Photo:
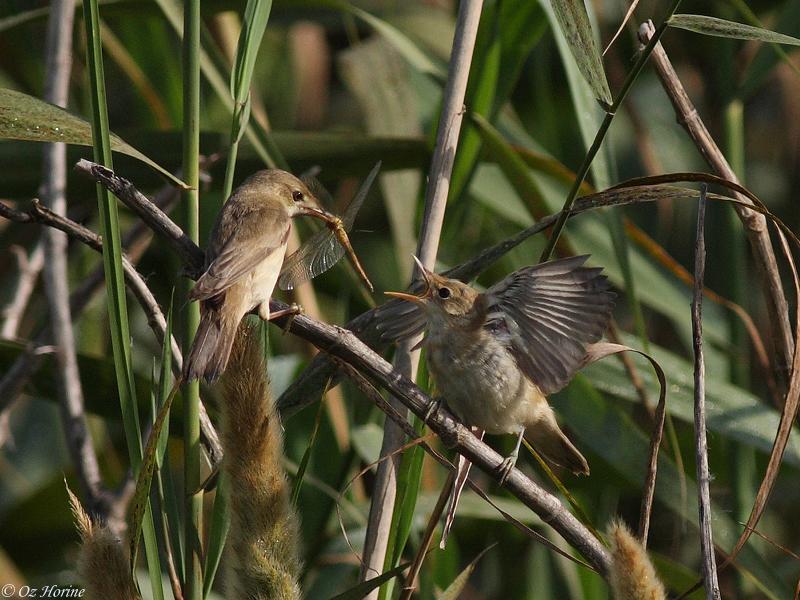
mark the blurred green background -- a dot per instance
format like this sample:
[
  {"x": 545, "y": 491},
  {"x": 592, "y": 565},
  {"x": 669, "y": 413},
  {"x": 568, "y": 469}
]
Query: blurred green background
[{"x": 340, "y": 90}]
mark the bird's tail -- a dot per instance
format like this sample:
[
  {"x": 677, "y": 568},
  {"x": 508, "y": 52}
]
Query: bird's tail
[
  {"x": 212, "y": 344},
  {"x": 547, "y": 438}
]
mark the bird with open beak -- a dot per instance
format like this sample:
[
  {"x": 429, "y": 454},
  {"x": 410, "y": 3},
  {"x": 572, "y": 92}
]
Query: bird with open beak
[
  {"x": 496, "y": 356},
  {"x": 244, "y": 257}
]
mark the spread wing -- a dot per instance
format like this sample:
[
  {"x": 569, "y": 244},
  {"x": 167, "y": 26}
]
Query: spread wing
[
  {"x": 548, "y": 313},
  {"x": 322, "y": 250},
  {"x": 251, "y": 237}
]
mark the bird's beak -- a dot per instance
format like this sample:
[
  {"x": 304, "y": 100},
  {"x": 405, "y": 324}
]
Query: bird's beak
[
  {"x": 407, "y": 297},
  {"x": 313, "y": 211},
  {"x": 411, "y": 297}
]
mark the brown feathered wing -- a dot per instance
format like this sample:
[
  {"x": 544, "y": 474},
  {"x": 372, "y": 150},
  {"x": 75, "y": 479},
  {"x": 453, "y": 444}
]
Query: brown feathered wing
[{"x": 548, "y": 314}]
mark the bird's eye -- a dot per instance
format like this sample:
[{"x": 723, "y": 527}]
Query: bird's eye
[
  {"x": 444, "y": 293},
  {"x": 297, "y": 195}
]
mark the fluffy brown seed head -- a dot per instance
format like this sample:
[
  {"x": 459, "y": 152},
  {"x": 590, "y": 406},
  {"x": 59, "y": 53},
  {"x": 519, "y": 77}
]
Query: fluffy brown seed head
[
  {"x": 103, "y": 564},
  {"x": 264, "y": 538},
  {"x": 633, "y": 576}
]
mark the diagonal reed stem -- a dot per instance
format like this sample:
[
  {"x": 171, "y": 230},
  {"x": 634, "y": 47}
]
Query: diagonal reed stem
[{"x": 611, "y": 112}]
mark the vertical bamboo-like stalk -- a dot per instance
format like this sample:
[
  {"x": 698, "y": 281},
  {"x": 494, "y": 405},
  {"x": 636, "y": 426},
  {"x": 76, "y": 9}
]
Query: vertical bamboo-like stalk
[
  {"x": 384, "y": 494},
  {"x": 743, "y": 460},
  {"x": 191, "y": 391},
  {"x": 115, "y": 285}
]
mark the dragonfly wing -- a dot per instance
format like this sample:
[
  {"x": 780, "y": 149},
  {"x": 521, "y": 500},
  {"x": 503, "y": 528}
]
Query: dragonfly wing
[
  {"x": 318, "y": 254},
  {"x": 322, "y": 250}
]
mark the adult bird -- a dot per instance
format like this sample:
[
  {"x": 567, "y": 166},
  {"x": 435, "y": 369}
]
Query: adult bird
[{"x": 244, "y": 256}]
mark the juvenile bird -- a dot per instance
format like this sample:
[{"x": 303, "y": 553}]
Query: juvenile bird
[
  {"x": 496, "y": 356},
  {"x": 243, "y": 261}
]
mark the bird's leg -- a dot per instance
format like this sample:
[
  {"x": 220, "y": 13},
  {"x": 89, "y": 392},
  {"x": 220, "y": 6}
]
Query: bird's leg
[
  {"x": 292, "y": 311},
  {"x": 511, "y": 460}
]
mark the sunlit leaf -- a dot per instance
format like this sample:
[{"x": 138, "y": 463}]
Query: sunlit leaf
[
  {"x": 454, "y": 590},
  {"x": 363, "y": 589},
  {"x": 410, "y": 51},
  {"x": 23, "y": 117},
  {"x": 574, "y": 23},
  {"x": 729, "y": 29}
]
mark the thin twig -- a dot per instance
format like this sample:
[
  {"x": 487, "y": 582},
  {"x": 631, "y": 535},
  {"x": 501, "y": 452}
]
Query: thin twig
[
  {"x": 754, "y": 223},
  {"x": 427, "y": 537},
  {"x": 136, "y": 240},
  {"x": 54, "y": 180},
  {"x": 123, "y": 189},
  {"x": 611, "y": 112},
  {"x": 29, "y": 269},
  {"x": 701, "y": 446},
  {"x": 155, "y": 317},
  {"x": 406, "y": 359}
]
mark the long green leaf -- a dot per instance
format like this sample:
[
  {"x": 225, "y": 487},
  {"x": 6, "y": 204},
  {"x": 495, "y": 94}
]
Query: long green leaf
[
  {"x": 453, "y": 591},
  {"x": 729, "y": 29},
  {"x": 574, "y": 24},
  {"x": 256, "y": 15},
  {"x": 363, "y": 589},
  {"x": 588, "y": 233},
  {"x": 115, "y": 284},
  {"x": 410, "y": 51},
  {"x": 167, "y": 498},
  {"x": 509, "y": 31},
  {"x": 301, "y": 468},
  {"x": 768, "y": 56},
  {"x": 583, "y": 97},
  {"x": 217, "y": 533},
  {"x": 23, "y": 117},
  {"x": 141, "y": 493},
  {"x": 409, "y": 476},
  {"x": 733, "y": 412},
  {"x": 260, "y": 139},
  {"x": 480, "y": 98},
  {"x": 513, "y": 167}
]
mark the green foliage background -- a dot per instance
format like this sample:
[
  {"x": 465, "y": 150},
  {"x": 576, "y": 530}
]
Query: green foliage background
[{"x": 343, "y": 88}]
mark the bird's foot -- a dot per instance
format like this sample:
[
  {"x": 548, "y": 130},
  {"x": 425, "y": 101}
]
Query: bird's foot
[
  {"x": 433, "y": 408},
  {"x": 507, "y": 466},
  {"x": 292, "y": 311}
]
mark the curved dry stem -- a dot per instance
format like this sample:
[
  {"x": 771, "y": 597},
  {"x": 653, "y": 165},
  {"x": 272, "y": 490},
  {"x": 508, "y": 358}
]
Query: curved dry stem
[{"x": 755, "y": 224}]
